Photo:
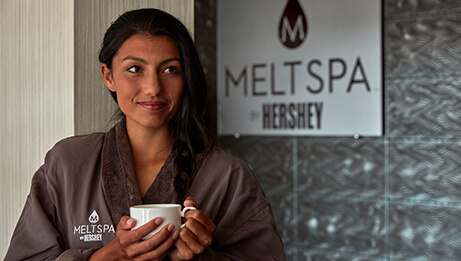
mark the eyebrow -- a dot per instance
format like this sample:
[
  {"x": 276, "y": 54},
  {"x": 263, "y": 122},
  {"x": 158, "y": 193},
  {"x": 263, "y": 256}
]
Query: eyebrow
[
  {"x": 135, "y": 59},
  {"x": 145, "y": 62}
]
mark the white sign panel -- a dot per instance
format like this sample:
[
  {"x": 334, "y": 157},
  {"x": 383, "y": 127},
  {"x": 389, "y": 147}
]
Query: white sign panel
[{"x": 300, "y": 67}]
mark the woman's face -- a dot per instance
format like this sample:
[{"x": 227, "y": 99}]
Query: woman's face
[{"x": 147, "y": 76}]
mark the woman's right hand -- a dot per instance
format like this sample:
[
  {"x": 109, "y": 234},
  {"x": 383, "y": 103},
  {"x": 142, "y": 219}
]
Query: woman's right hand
[{"x": 128, "y": 245}]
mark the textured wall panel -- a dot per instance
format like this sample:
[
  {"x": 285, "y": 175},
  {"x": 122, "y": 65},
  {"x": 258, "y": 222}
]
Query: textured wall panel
[
  {"x": 205, "y": 35},
  {"x": 423, "y": 46},
  {"x": 36, "y": 95},
  {"x": 353, "y": 227},
  {"x": 341, "y": 168},
  {"x": 425, "y": 232},
  {"x": 417, "y": 174},
  {"x": 339, "y": 256},
  {"x": 291, "y": 251},
  {"x": 425, "y": 107},
  {"x": 416, "y": 7},
  {"x": 94, "y": 105}
]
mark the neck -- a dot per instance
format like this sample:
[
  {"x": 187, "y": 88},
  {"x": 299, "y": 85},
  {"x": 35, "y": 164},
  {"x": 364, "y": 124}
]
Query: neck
[{"x": 149, "y": 146}]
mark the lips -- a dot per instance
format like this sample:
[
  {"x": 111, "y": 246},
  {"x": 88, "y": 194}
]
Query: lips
[{"x": 152, "y": 105}]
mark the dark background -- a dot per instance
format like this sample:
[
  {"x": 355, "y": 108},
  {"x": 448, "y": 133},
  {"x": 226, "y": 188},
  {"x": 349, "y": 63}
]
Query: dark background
[{"x": 395, "y": 197}]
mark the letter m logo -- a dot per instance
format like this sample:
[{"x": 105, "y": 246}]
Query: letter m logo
[
  {"x": 94, "y": 218},
  {"x": 293, "y": 25},
  {"x": 296, "y": 33}
]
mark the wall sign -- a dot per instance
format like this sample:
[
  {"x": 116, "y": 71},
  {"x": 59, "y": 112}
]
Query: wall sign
[{"x": 300, "y": 67}]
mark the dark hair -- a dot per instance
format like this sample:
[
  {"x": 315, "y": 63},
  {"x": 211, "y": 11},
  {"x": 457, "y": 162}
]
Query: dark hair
[{"x": 187, "y": 125}]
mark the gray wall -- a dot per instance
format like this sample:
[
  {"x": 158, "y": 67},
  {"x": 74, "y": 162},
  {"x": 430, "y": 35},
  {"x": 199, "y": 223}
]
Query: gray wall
[{"x": 396, "y": 197}]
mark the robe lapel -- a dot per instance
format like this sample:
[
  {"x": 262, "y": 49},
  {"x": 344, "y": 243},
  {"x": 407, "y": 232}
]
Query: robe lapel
[
  {"x": 120, "y": 188},
  {"x": 162, "y": 189},
  {"x": 119, "y": 180}
]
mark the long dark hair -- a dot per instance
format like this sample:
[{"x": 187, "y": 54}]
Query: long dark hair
[{"x": 187, "y": 125}]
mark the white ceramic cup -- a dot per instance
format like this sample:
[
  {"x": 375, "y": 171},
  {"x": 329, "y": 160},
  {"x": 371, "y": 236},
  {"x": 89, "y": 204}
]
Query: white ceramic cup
[{"x": 170, "y": 213}]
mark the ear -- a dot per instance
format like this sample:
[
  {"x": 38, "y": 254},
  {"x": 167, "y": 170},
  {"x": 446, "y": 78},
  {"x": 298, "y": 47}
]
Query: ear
[{"x": 107, "y": 77}]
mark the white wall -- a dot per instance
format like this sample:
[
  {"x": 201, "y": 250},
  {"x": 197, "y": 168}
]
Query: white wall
[
  {"x": 36, "y": 94},
  {"x": 40, "y": 79}
]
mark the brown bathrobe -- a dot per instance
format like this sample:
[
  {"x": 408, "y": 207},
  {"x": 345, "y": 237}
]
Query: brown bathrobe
[{"x": 87, "y": 184}]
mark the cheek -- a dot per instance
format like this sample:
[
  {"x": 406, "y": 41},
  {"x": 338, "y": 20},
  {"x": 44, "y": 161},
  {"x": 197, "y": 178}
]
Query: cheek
[
  {"x": 176, "y": 93},
  {"x": 179, "y": 95},
  {"x": 126, "y": 88}
]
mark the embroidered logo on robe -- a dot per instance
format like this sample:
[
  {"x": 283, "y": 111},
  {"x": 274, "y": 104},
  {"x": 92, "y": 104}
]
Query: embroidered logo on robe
[
  {"x": 93, "y": 231},
  {"x": 94, "y": 218}
]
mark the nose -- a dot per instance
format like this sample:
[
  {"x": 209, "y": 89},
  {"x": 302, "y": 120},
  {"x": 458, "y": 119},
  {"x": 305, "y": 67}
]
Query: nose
[{"x": 153, "y": 85}]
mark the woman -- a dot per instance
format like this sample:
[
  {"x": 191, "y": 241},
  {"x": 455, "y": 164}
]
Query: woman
[{"x": 159, "y": 152}]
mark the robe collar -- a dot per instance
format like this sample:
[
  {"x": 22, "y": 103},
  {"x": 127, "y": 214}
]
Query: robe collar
[{"x": 119, "y": 181}]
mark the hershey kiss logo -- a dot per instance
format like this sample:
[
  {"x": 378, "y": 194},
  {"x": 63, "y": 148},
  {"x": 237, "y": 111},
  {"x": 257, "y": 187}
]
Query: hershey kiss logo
[
  {"x": 94, "y": 218},
  {"x": 293, "y": 25}
]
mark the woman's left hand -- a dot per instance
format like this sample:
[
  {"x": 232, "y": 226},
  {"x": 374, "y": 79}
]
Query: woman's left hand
[{"x": 196, "y": 235}]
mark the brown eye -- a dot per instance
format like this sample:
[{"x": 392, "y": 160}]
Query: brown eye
[
  {"x": 172, "y": 70},
  {"x": 134, "y": 69}
]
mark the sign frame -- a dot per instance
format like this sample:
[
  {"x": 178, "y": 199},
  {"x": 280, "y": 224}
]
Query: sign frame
[{"x": 260, "y": 75}]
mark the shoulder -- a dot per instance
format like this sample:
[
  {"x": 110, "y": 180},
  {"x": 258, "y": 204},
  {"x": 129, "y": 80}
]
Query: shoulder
[
  {"x": 68, "y": 161},
  {"x": 223, "y": 160},
  {"x": 79, "y": 142},
  {"x": 221, "y": 168},
  {"x": 223, "y": 165},
  {"x": 75, "y": 150},
  {"x": 228, "y": 192}
]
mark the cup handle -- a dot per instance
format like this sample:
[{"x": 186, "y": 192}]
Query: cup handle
[{"x": 184, "y": 212}]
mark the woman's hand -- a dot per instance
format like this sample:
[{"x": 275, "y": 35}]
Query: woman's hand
[
  {"x": 196, "y": 235},
  {"x": 128, "y": 245}
]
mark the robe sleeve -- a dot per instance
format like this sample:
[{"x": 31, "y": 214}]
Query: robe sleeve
[
  {"x": 255, "y": 240},
  {"x": 230, "y": 194},
  {"x": 35, "y": 236}
]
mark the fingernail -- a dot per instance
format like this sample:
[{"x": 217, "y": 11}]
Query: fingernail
[
  {"x": 130, "y": 221},
  {"x": 170, "y": 227},
  {"x": 175, "y": 235},
  {"x": 158, "y": 221}
]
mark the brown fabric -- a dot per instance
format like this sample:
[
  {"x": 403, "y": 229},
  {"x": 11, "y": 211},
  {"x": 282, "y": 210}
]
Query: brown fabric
[
  {"x": 64, "y": 192},
  {"x": 164, "y": 183},
  {"x": 120, "y": 188},
  {"x": 230, "y": 195},
  {"x": 95, "y": 174},
  {"x": 119, "y": 180},
  {"x": 76, "y": 254}
]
